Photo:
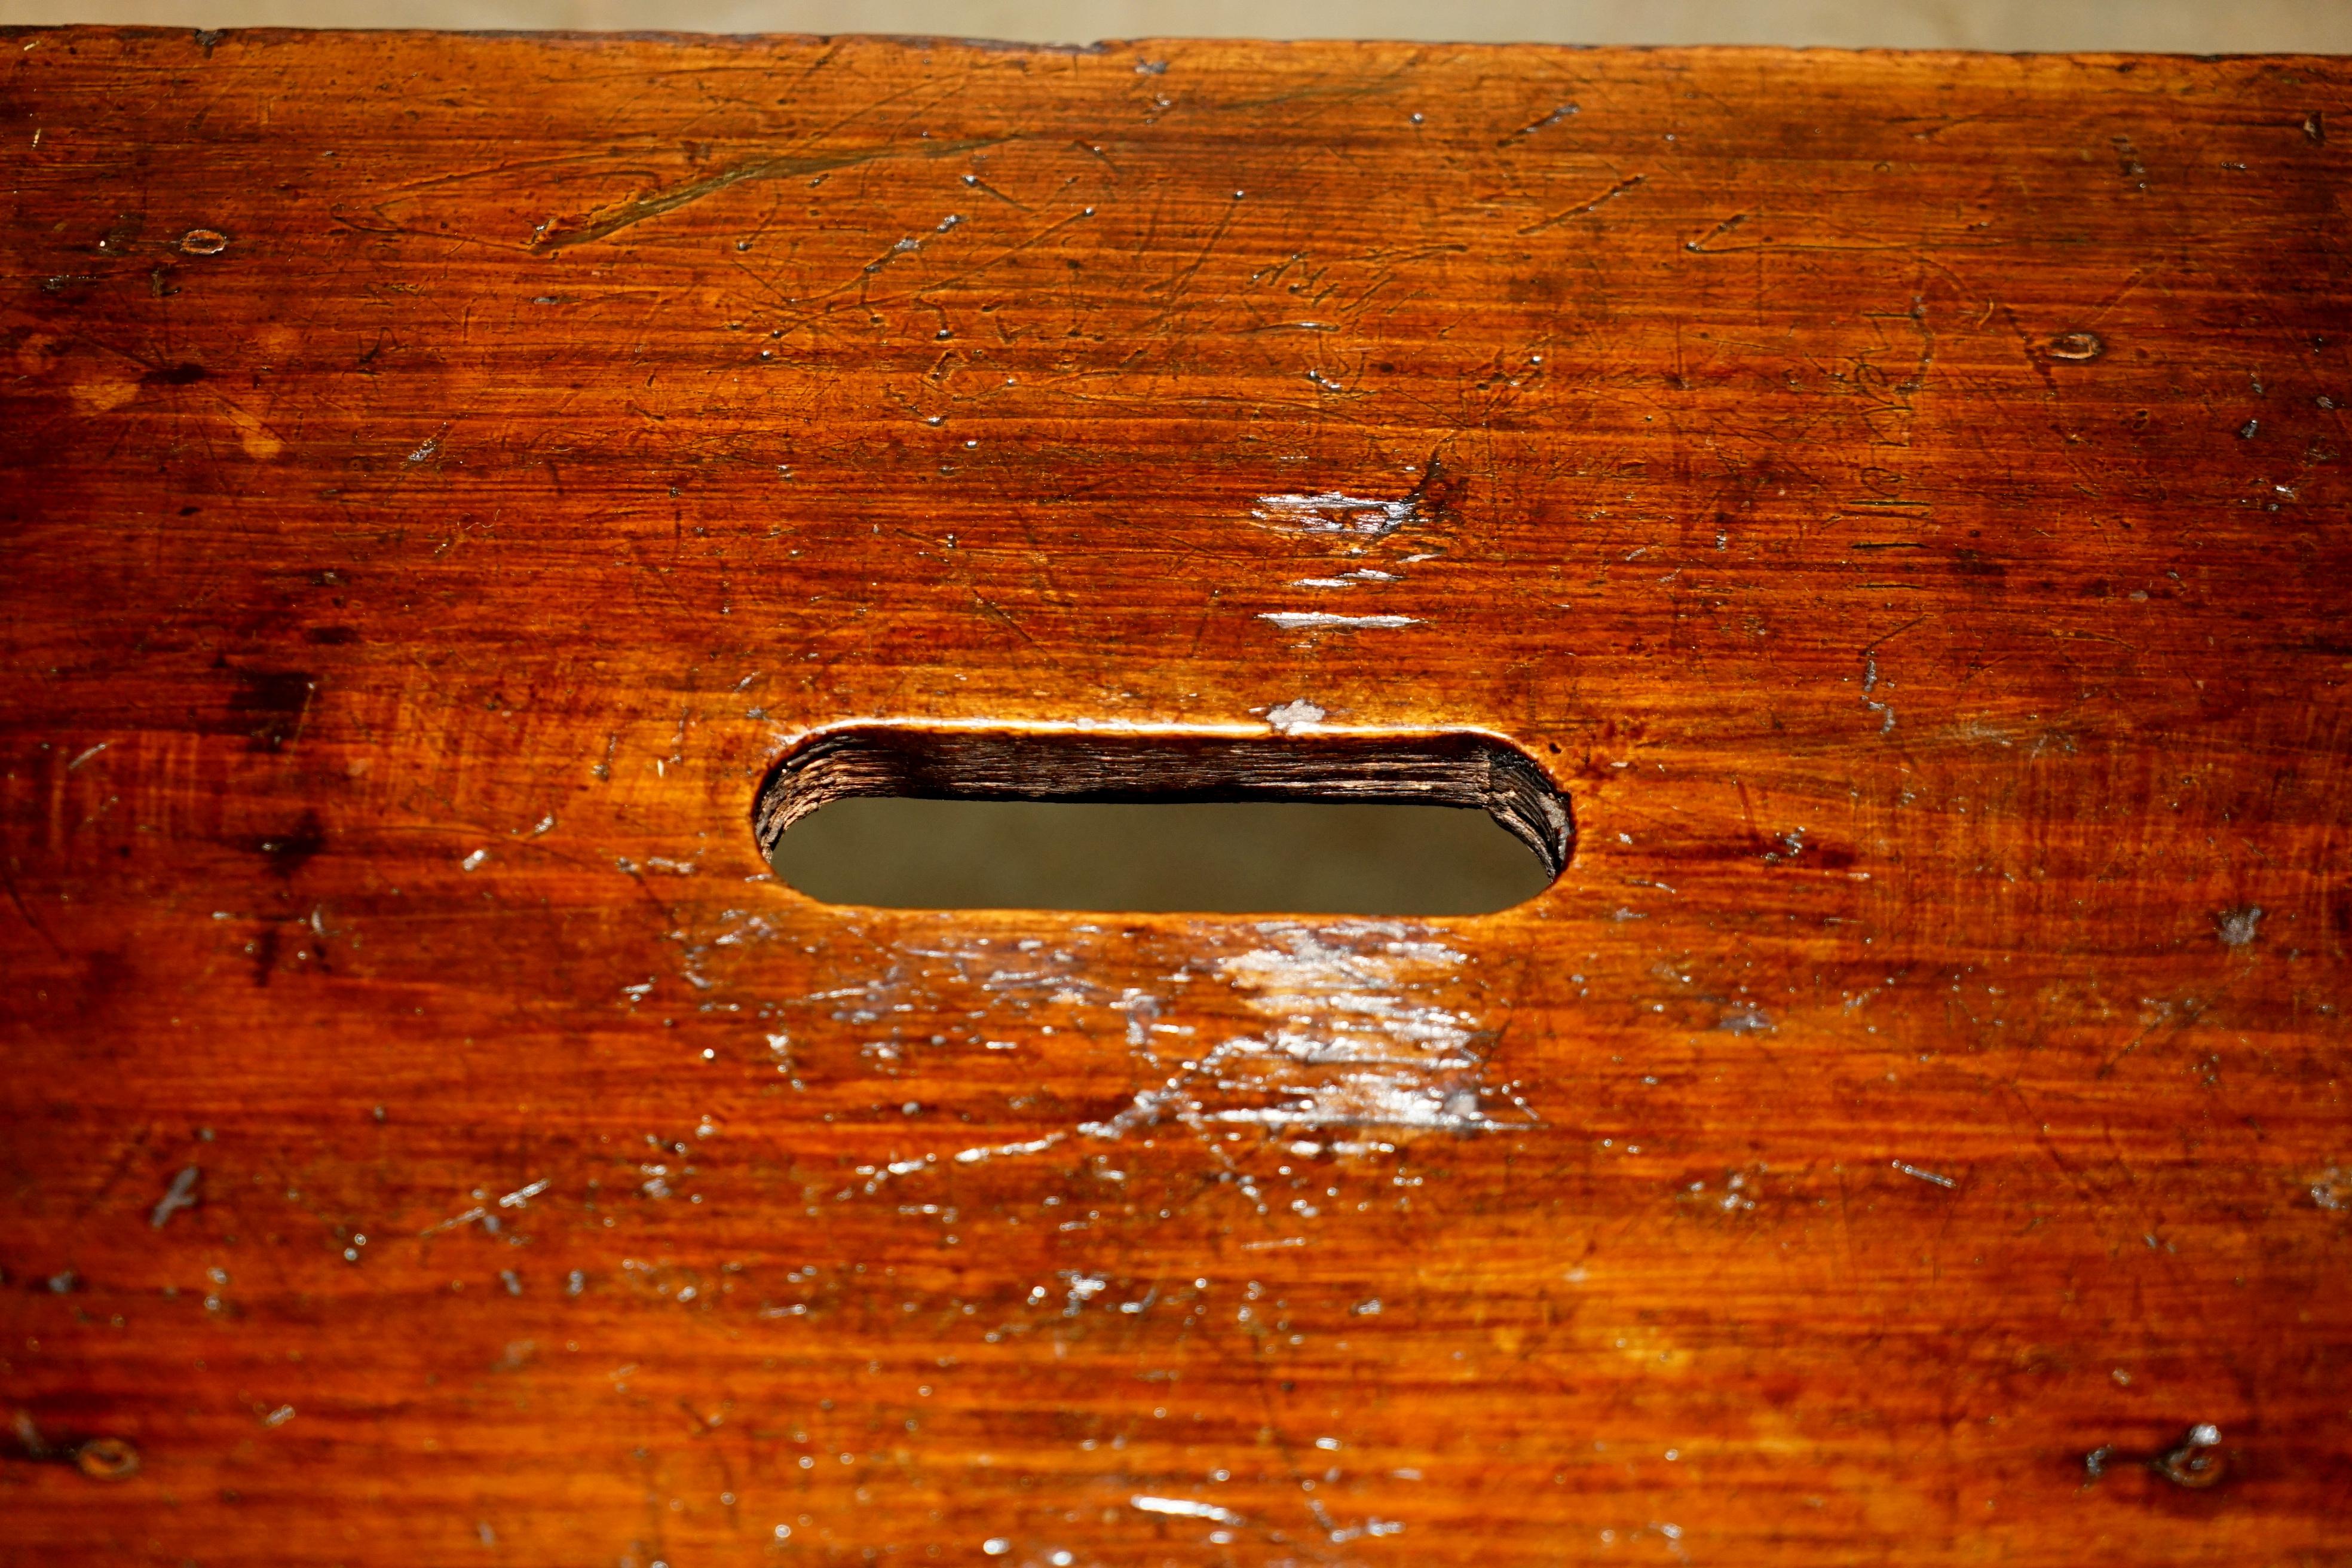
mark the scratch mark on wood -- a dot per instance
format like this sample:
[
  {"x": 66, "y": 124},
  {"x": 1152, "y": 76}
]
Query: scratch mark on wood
[
  {"x": 1610, "y": 194},
  {"x": 562, "y": 233}
]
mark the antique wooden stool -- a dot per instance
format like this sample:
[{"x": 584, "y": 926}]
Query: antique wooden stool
[{"x": 1875, "y": 525}]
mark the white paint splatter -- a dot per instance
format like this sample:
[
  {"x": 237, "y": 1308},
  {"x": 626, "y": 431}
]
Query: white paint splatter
[
  {"x": 182, "y": 1195},
  {"x": 1316, "y": 620},
  {"x": 1292, "y": 717},
  {"x": 1870, "y": 683},
  {"x": 1356, "y": 1039},
  {"x": 1347, "y": 579},
  {"x": 1184, "y": 1508},
  {"x": 1333, "y": 512},
  {"x": 1141, "y": 1007},
  {"x": 523, "y": 1194},
  {"x": 1035, "y": 1146}
]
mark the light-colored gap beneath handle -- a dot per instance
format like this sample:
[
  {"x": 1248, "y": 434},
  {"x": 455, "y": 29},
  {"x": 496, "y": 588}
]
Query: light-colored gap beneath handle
[{"x": 1162, "y": 821}]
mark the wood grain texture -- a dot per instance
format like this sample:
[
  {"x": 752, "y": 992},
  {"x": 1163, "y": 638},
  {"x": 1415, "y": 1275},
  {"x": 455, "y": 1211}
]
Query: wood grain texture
[{"x": 1898, "y": 498}]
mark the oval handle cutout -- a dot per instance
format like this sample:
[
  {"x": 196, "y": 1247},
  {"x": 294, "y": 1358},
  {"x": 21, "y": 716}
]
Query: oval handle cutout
[{"x": 1163, "y": 821}]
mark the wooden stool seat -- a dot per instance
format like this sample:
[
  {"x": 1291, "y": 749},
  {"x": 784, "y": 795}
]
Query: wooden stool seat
[{"x": 1879, "y": 520}]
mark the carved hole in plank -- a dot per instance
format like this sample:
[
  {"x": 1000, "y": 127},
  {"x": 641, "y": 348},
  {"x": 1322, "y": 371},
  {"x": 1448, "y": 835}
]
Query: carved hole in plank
[{"x": 1163, "y": 820}]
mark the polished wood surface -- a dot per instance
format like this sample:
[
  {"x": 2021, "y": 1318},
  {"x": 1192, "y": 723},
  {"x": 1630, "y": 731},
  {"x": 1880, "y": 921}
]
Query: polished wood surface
[{"x": 1897, "y": 501}]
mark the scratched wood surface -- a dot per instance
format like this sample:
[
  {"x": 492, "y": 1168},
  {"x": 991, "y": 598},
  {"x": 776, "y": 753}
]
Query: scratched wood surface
[{"x": 1897, "y": 499}]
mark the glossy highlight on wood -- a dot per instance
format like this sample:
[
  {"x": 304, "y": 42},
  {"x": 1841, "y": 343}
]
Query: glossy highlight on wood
[{"x": 1895, "y": 501}]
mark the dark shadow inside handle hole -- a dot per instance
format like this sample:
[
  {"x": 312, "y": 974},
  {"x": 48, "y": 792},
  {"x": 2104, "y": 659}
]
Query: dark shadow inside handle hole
[{"x": 1446, "y": 824}]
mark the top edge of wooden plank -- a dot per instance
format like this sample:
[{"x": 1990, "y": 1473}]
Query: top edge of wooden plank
[{"x": 1811, "y": 55}]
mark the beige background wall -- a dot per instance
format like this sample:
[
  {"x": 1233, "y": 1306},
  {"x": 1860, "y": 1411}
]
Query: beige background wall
[{"x": 2190, "y": 25}]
